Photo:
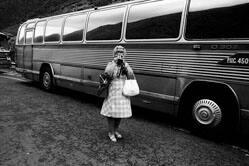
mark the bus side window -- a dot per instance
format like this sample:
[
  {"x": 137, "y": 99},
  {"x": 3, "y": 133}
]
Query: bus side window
[
  {"x": 74, "y": 28},
  {"x": 106, "y": 24},
  {"x": 155, "y": 20},
  {"x": 53, "y": 30},
  {"x": 218, "y": 19},
  {"x": 39, "y": 30},
  {"x": 21, "y": 35},
  {"x": 29, "y": 36}
]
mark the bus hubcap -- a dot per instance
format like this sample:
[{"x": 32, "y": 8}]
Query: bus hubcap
[
  {"x": 46, "y": 80},
  {"x": 207, "y": 112}
]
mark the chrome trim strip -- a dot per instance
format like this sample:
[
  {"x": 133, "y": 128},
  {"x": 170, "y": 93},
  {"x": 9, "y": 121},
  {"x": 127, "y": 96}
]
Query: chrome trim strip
[
  {"x": 151, "y": 94},
  {"x": 30, "y": 71},
  {"x": 160, "y": 96},
  {"x": 77, "y": 80},
  {"x": 20, "y": 70},
  {"x": 68, "y": 78},
  {"x": 13, "y": 78},
  {"x": 94, "y": 83}
]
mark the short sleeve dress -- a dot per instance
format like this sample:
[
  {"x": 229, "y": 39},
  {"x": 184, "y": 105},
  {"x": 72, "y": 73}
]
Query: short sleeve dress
[{"x": 117, "y": 105}]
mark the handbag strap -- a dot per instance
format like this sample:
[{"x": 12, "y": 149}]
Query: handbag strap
[{"x": 131, "y": 77}]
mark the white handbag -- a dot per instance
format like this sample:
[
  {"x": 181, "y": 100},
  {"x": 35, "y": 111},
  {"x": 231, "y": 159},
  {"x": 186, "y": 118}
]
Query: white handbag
[{"x": 130, "y": 88}]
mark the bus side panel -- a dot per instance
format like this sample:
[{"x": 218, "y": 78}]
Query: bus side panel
[
  {"x": 91, "y": 79},
  {"x": 19, "y": 56},
  {"x": 27, "y": 62},
  {"x": 80, "y": 67},
  {"x": 242, "y": 91},
  {"x": 70, "y": 73},
  {"x": 156, "y": 93},
  {"x": 28, "y": 57}
]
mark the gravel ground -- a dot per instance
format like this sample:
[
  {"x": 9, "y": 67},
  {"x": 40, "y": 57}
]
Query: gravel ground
[{"x": 65, "y": 128}]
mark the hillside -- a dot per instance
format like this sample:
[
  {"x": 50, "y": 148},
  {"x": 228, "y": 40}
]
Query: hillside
[{"x": 14, "y": 12}]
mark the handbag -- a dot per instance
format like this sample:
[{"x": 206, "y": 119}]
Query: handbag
[
  {"x": 131, "y": 88},
  {"x": 104, "y": 82}
]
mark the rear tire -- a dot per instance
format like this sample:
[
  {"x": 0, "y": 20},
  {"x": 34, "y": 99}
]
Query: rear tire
[
  {"x": 46, "y": 79},
  {"x": 207, "y": 115}
]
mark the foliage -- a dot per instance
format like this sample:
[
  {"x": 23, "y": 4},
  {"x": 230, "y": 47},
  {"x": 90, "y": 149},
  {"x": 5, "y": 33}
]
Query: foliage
[
  {"x": 14, "y": 12},
  {"x": 100, "y": 2}
]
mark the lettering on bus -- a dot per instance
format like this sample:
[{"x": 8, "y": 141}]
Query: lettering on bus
[
  {"x": 224, "y": 46},
  {"x": 240, "y": 59}
]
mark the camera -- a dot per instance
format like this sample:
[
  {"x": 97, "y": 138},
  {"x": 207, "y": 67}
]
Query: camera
[{"x": 120, "y": 62}]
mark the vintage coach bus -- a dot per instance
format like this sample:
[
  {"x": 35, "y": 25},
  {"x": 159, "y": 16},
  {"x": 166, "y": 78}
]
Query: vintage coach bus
[{"x": 190, "y": 57}]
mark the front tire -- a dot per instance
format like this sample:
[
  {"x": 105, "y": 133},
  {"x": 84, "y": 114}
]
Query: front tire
[{"x": 46, "y": 80}]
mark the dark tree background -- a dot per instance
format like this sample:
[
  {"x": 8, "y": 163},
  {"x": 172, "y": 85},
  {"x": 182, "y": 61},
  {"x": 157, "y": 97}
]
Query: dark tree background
[{"x": 14, "y": 12}]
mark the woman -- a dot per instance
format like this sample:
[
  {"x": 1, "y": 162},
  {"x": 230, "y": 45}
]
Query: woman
[{"x": 116, "y": 105}]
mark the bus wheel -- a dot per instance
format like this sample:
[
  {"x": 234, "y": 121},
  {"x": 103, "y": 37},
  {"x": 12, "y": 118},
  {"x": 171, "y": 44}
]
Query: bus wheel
[
  {"x": 207, "y": 113},
  {"x": 47, "y": 80}
]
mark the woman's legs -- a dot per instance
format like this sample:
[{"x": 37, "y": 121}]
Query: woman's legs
[
  {"x": 111, "y": 125},
  {"x": 116, "y": 123},
  {"x": 111, "y": 129}
]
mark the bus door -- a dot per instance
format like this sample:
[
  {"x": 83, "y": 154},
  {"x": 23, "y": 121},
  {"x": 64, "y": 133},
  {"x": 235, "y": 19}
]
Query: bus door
[
  {"x": 28, "y": 57},
  {"x": 19, "y": 47},
  {"x": 28, "y": 53}
]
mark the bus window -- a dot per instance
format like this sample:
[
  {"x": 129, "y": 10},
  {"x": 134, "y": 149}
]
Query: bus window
[
  {"x": 155, "y": 20},
  {"x": 53, "y": 30},
  {"x": 74, "y": 27},
  {"x": 105, "y": 25},
  {"x": 39, "y": 30},
  {"x": 28, "y": 37},
  {"x": 21, "y": 35},
  {"x": 30, "y": 25},
  {"x": 226, "y": 19}
]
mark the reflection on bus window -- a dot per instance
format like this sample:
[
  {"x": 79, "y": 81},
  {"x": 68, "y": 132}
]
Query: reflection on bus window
[
  {"x": 53, "y": 30},
  {"x": 227, "y": 19},
  {"x": 39, "y": 30},
  {"x": 73, "y": 29},
  {"x": 155, "y": 20},
  {"x": 29, "y": 35},
  {"x": 105, "y": 25},
  {"x": 30, "y": 25},
  {"x": 21, "y": 35}
]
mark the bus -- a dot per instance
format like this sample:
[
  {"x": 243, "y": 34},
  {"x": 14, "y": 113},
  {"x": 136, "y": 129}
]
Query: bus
[
  {"x": 190, "y": 57},
  {"x": 5, "y": 60}
]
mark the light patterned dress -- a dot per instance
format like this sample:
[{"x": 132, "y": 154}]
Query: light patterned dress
[{"x": 117, "y": 105}]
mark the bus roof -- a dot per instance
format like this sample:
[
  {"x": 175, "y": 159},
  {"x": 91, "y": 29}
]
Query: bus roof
[{"x": 90, "y": 9}]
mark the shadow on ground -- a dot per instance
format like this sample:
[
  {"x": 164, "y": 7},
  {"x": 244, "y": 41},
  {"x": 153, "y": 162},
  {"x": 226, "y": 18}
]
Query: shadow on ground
[{"x": 159, "y": 118}]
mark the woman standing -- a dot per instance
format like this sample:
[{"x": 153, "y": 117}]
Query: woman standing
[{"x": 116, "y": 105}]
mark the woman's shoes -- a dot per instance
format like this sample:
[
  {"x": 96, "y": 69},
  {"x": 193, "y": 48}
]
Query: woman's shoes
[
  {"x": 118, "y": 135},
  {"x": 112, "y": 137}
]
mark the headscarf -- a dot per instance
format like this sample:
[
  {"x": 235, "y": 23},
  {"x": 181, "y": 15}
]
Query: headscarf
[{"x": 119, "y": 49}]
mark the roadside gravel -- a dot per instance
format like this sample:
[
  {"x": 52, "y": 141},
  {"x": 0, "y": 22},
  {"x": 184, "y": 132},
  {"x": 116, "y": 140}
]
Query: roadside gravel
[{"x": 65, "y": 128}]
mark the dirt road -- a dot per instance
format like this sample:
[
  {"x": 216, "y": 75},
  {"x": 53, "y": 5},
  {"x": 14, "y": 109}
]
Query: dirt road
[{"x": 65, "y": 128}]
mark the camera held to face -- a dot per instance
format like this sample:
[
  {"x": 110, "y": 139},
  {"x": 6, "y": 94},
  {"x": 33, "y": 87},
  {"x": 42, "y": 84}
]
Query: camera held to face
[{"x": 120, "y": 62}]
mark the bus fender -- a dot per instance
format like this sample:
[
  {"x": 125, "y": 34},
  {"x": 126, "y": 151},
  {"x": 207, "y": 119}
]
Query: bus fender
[{"x": 213, "y": 84}]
